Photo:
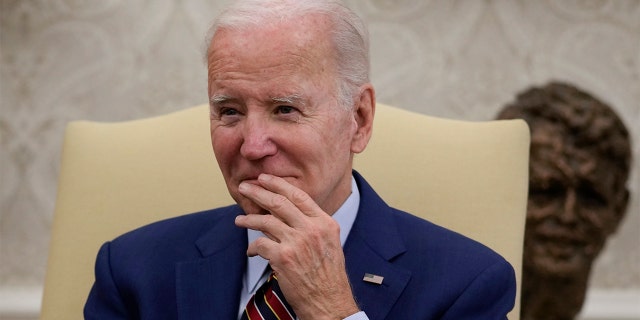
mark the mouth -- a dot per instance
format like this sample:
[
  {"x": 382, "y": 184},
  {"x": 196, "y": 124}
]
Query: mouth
[
  {"x": 561, "y": 250},
  {"x": 561, "y": 244},
  {"x": 250, "y": 180},
  {"x": 253, "y": 178}
]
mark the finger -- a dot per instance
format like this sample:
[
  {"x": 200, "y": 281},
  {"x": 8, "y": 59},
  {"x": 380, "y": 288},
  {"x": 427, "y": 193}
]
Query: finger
[
  {"x": 263, "y": 247},
  {"x": 278, "y": 205},
  {"x": 295, "y": 195},
  {"x": 271, "y": 226}
]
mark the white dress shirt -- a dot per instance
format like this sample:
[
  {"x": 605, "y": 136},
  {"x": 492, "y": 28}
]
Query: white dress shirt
[{"x": 255, "y": 274}]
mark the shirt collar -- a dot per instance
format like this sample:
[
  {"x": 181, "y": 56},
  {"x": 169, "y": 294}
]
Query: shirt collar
[{"x": 345, "y": 216}]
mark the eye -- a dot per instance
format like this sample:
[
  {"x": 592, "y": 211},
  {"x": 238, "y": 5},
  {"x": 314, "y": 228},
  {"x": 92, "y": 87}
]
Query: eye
[
  {"x": 226, "y": 115},
  {"x": 228, "y": 112},
  {"x": 285, "y": 109}
]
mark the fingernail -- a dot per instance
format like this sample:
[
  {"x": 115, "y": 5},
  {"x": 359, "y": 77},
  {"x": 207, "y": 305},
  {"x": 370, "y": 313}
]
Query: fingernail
[
  {"x": 243, "y": 187},
  {"x": 264, "y": 177}
]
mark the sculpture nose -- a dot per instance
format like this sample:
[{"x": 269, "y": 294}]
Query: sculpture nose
[{"x": 569, "y": 213}]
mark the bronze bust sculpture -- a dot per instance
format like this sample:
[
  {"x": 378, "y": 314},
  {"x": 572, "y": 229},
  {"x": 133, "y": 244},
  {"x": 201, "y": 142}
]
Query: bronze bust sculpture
[{"x": 580, "y": 162}]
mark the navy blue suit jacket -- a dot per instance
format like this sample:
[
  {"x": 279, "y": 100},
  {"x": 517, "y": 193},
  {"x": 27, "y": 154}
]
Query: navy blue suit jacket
[{"x": 191, "y": 267}]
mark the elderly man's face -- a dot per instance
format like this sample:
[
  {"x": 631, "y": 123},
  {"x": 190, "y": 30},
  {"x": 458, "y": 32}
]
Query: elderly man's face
[
  {"x": 573, "y": 205},
  {"x": 274, "y": 110}
]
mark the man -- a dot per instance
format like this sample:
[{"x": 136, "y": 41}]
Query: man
[
  {"x": 580, "y": 161},
  {"x": 291, "y": 104}
]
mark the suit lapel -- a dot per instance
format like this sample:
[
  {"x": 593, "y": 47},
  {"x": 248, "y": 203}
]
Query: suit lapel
[
  {"x": 209, "y": 287},
  {"x": 373, "y": 241}
]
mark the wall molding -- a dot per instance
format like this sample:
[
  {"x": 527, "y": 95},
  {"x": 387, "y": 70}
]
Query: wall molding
[
  {"x": 21, "y": 302},
  {"x": 24, "y": 303},
  {"x": 611, "y": 305}
]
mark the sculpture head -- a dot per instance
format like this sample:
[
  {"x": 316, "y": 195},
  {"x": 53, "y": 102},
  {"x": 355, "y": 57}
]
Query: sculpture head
[{"x": 580, "y": 162}]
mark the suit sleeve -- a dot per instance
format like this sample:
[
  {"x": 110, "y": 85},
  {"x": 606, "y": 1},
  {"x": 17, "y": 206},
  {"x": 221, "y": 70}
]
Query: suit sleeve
[
  {"x": 491, "y": 295},
  {"x": 104, "y": 301}
]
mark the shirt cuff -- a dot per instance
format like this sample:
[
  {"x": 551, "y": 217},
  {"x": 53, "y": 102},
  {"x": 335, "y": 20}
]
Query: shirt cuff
[{"x": 357, "y": 316}]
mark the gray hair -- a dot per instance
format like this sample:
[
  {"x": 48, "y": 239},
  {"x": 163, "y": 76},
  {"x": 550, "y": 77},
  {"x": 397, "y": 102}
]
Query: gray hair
[{"x": 349, "y": 34}]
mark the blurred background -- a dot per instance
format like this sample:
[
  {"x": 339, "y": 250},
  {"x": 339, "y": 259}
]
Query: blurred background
[{"x": 114, "y": 60}]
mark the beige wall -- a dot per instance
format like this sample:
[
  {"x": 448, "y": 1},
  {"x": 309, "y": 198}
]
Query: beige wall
[{"x": 62, "y": 60}]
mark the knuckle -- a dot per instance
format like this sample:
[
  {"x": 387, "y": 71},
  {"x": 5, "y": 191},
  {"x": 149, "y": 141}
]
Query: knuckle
[
  {"x": 333, "y": 227},
  {"x": 287, "y": 255},
  {"x": 315, "y": 233},
  {"x": 267, "y": 220},
  {"x": 277, "y": 202},
  {"x": 298, "y": 196},
  {"x": 327, "y": 228},
  {"x": 260, "y": 244}
]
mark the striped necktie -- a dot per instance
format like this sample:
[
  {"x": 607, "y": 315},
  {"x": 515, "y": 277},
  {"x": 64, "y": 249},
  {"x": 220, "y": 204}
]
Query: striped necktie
[{"x": 268, "y": 303}]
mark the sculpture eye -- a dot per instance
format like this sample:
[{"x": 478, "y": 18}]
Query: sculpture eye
[
  {"x": 542, "y": 194},
  {"x": 590, "y": 197}
]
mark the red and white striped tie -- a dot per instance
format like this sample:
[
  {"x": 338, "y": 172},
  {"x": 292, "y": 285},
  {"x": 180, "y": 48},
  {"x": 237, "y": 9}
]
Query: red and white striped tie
[{"x": 268, "y": 303}]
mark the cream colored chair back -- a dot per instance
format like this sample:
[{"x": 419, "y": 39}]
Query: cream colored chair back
[{"x": 469, "y": 177}]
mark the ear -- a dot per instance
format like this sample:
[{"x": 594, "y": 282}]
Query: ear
[
  {"x": 620, "y": 208},
  {"x": 363, "y": 112}
]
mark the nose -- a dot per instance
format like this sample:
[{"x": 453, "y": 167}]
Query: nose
[
  {"x": 257, "y": 140},
  {"x": 570, "y": 210}
]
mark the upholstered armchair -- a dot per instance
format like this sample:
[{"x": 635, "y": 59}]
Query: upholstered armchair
[{"x": 468, "y": 176}]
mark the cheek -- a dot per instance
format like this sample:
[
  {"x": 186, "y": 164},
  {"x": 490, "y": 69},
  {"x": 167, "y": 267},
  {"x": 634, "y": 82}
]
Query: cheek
[
  {"x": 340, "y": 132},
  {"x": 225, "y": 144},
  {"x": 537, "y": 211},
  {"x": 598, "y": 221},
  {"x": 337, "y": 149}
]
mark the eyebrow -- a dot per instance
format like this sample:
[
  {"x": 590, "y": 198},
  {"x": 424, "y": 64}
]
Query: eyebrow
[
  {"x": 295, "y": 98},
  {"x": 219, "y": 98}
]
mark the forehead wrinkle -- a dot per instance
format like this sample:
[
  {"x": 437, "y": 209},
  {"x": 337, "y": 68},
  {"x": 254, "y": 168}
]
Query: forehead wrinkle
[
  {"x": 555, "y": 168},
  {"x": 310, "y": 53},
  {"x": 221, "y": 71}
]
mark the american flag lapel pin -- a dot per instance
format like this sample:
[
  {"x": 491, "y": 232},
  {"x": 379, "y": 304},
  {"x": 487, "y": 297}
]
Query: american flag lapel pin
[{"x": 368, "y": 277}]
